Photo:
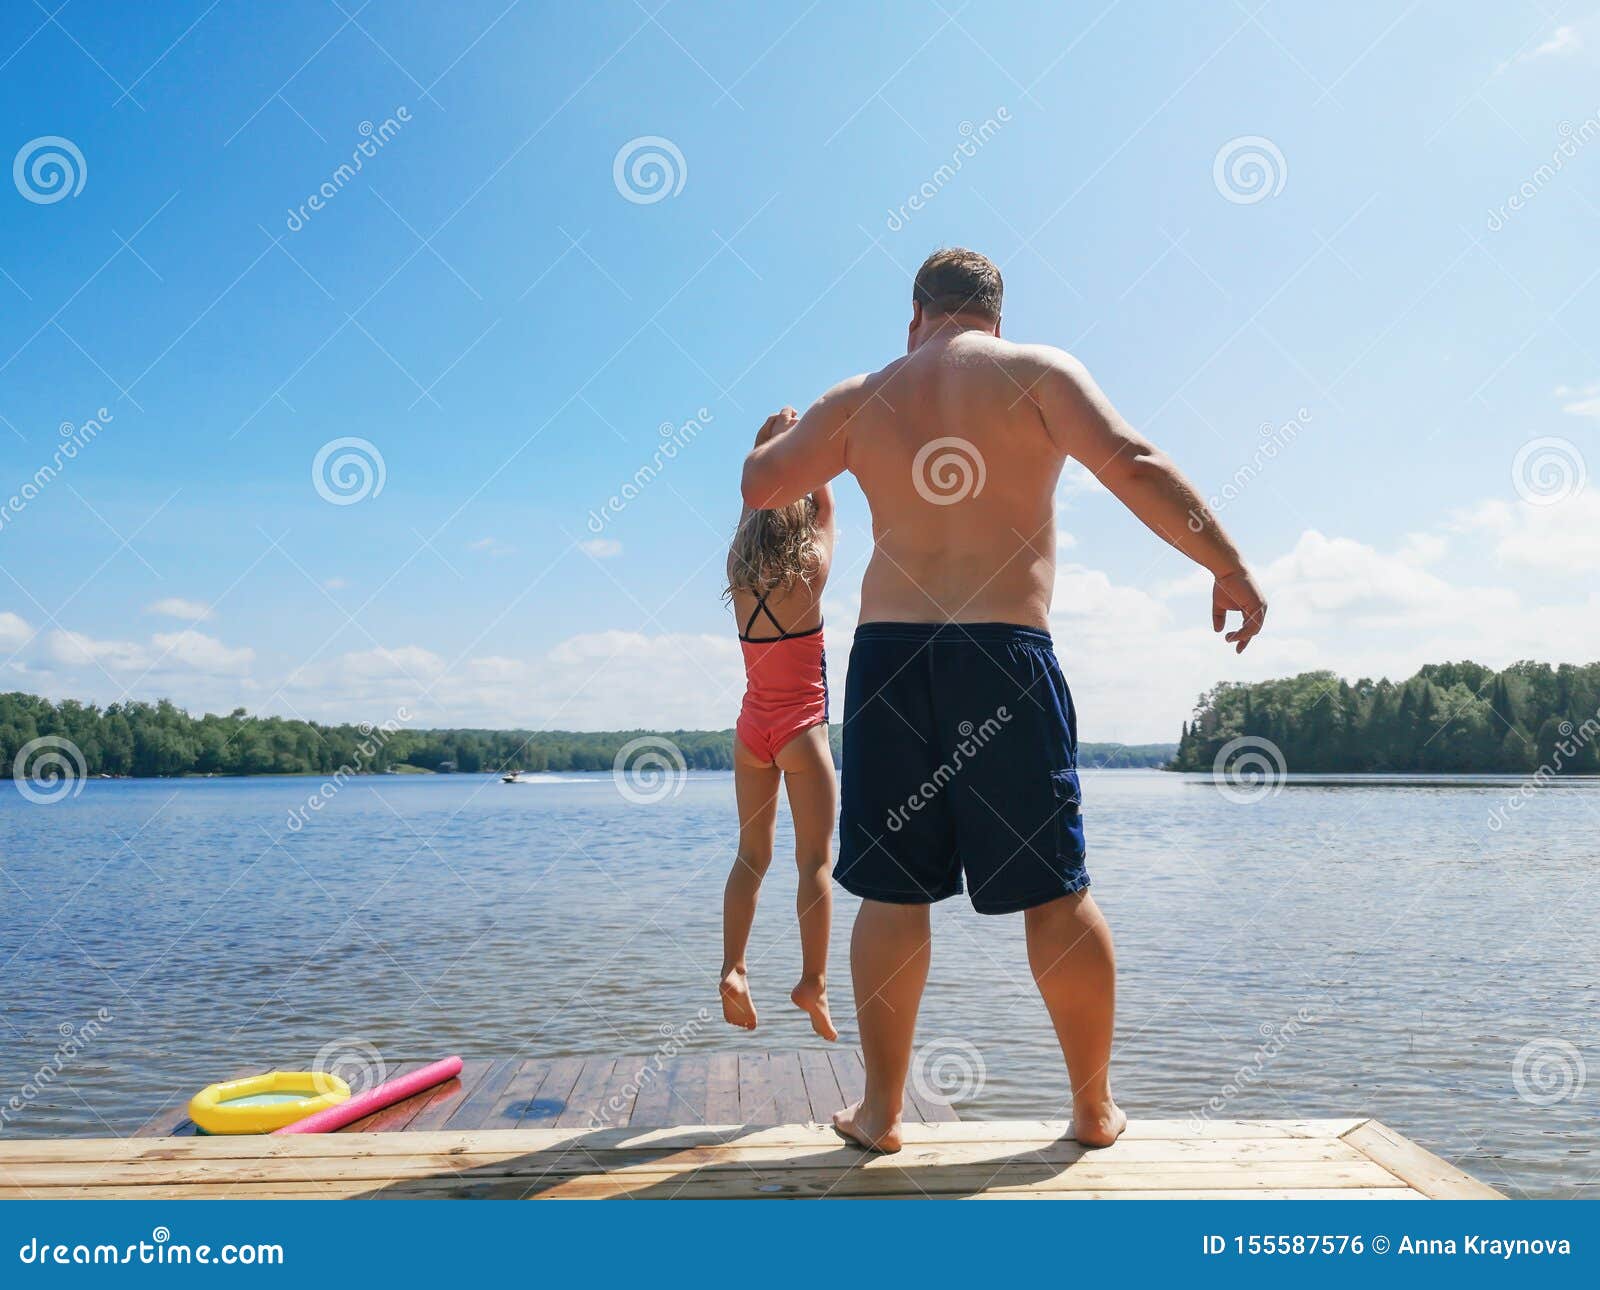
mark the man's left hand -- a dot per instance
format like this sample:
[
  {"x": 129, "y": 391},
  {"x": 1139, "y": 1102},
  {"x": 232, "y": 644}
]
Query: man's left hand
[{"x": 775, "y": 424}]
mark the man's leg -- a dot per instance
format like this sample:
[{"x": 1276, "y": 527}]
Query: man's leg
[
  {"x": 889, "y": 953},
  {"x": 1069, "y": 949}
]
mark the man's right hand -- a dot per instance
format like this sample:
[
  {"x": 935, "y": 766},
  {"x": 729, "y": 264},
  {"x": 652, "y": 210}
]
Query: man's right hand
[{"x": 1238, "y": 590}]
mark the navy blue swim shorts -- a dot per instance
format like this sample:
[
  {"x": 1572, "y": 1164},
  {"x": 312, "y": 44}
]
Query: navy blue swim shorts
[{"x": 960, "y": 757}]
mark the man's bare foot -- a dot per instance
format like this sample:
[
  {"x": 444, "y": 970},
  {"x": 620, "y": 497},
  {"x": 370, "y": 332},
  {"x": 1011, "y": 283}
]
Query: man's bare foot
[
  {"x": 874, "y": 1133},
  {"x": 738, "y": 1008},
  {"x": 1098, "y": 1124},
  {"x": 811, "y": 997}
]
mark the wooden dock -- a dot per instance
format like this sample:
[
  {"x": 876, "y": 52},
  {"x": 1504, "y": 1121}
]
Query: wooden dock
[
  {"x": 720, "y": 1125},
  {"x": 793, "y": 1087}
]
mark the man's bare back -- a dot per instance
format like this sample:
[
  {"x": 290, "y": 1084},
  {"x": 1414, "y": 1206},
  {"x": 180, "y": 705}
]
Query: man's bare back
[
  {"x": 959, "y": 447},
  {"x": 954, "y": 424}
]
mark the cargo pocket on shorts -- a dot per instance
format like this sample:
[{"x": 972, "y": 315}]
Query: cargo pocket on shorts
[{"x": 1068, "y": 814}]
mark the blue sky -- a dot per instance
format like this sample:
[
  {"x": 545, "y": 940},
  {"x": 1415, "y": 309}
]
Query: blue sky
[{"x": 485, "y": 306}]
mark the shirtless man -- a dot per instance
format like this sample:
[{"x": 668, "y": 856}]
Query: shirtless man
[{"x": 960, "y": 738}]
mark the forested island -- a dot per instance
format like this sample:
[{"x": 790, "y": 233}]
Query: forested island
[
  {"x": 160, "y": 739},
  {"x": 1449, "y": 717}
]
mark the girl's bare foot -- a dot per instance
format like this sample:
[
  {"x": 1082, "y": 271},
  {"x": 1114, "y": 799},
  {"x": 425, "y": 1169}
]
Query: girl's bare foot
[
  {"x": 873, "y": 1132},
  {"x": 1098, "y": 1124},
  {"x": 738, "y": 1008},
  {"x": 811, "y": 997}
]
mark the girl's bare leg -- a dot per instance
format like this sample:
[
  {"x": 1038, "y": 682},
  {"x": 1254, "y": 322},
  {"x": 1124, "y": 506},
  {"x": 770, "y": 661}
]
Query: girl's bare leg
[
  {"x": 807, "y": 765},
  {"x": 755, "y": 786}
]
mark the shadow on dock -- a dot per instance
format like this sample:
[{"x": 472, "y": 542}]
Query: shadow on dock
[{"x": 595, "y": 1166}]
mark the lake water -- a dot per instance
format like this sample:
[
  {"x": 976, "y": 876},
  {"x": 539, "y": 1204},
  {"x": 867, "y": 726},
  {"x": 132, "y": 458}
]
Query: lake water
[{"x": 1341, "y": 948}]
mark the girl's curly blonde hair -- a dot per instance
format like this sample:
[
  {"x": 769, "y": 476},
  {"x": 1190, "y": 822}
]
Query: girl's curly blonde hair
[{"x": 774, "y": 549}]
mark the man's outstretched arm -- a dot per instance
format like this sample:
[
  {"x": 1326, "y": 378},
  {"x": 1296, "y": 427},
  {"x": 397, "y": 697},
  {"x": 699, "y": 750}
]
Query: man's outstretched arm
[
  {"x": 1082, "y": 422},
  {"x": 797, "y": 455}
]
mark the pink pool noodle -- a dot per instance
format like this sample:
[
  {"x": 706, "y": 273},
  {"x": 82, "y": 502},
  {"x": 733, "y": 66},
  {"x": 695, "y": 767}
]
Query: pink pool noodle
[{"x": 375, "y": 1099}]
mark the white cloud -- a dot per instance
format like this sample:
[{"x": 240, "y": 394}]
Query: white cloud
[
  {"x": 167, "y": 654},
  {"x": 14, "y": 631},
  {"x": 74, "y": 649},
  {"x": 1561, "y": 538},
  {"x": 408, "y": 662},
  {"x": 595, "y": 680},
  {"x": 1566, "y": 39},
  {"x": 1423, "y": 548},
  {"x": 192, "y": 651},
  {"x": 177, "y": 607},
  {"x": 601, "y": 548},
  {"x": 490, "y": 546}
]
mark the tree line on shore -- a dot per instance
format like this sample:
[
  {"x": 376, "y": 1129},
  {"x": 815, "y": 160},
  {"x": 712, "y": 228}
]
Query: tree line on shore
[
  {"x": 1448, "y": 718},
  {"x": 160, "y": 739}
]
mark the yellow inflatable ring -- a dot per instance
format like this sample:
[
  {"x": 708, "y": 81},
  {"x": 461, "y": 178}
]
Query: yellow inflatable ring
[{"x": 262, "y": 1103}]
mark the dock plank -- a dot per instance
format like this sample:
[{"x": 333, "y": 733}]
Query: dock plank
[
  {"x": 653, "y": 1107},
  {"x": 722, "y": 1088},
  {"x": 978, "y": 1159},
  {"x": 510, "y": 1159},
  {"x": 551, "y": 1100},
  {"x": 757, "y": 1104},
  {"x": 621, "y": 1093},
  {"x": 822, "y": 1089},
  {"x": 790, "y": 1102},
  {"x": 391, "y": 1119},
  {"x": 583, "y": 1103},
  {"x": 443, "y": 1099},
  {"x": 688, "y": 1086},
  {"x": 1415, "y": 1165},
  {"x": 474, "y": 1109},
  {"x": 848, "y": 1071}
]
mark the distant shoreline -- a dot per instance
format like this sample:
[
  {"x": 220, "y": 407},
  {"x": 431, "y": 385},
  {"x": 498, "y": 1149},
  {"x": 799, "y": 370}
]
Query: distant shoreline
[{"x": 42, "y": 739}]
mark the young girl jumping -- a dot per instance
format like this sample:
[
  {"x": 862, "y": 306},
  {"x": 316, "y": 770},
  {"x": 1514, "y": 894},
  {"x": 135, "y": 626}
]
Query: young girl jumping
[{"x": 776, "y": 571}]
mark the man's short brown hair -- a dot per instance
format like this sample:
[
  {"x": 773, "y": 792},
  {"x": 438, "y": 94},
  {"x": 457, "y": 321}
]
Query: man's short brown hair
[{"x": 957, "y": 281}]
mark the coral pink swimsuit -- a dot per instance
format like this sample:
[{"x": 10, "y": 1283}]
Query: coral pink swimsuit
[{"x": 786, "y": 685}]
